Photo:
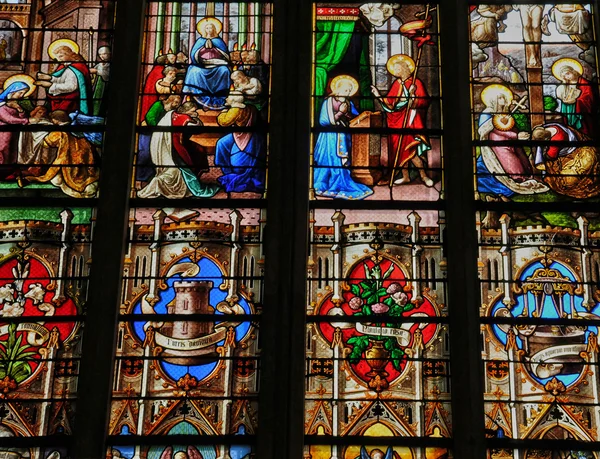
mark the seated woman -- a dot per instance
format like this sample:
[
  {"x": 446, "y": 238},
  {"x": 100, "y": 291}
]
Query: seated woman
[
  {"x": 208, "y": 76},
  {"x": 241, "y": 155},
  {"x": 11, "y": 113},
  {"x": 503, "y": 169},
  {"x": 332, "y": 150}
]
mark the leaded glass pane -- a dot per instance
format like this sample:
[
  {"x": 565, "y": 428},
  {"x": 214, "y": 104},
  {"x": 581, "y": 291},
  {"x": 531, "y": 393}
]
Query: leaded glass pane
[
  {"x": 44, "y": 267},
  {"x": 54, "y": 74},
  {"x": 204, "y": 99},
  {"x": 376, "y": 102},
  {"x": 535, "y": 102}
]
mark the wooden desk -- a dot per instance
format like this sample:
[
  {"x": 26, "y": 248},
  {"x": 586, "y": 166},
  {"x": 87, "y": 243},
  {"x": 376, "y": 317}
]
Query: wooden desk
[{"x": 366, "y": 149}]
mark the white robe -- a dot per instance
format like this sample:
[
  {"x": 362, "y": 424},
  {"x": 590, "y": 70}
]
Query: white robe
[{"x": 168, "y": 181}]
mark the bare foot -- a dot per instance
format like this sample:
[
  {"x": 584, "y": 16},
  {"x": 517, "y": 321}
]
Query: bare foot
[
  {"x": 401, "y": 181},
  {"x": 427, "y": 181}
]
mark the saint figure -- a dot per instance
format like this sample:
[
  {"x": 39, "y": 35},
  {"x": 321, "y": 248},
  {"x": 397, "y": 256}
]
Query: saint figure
[
  {"x": 406, "y": 106},
  {"x": 101, "y": 71},
  {"x": 502, "y": 169},
  {"x": 241, "y": 155},
  {"x": 208, "y": 76},
  {"x": 11, "y": 113},
  {"x": 331, "y": 176},
  {"x": 178, "y": 160},
  {"x": 69, "y": 86},
  {"x": 150, "y": 94},
  {"x": 577, "y": 95}
]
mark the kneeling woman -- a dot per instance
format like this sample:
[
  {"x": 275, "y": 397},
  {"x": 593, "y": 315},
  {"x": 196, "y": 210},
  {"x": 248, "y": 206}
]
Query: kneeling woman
[{"x": 331, "y": 155}]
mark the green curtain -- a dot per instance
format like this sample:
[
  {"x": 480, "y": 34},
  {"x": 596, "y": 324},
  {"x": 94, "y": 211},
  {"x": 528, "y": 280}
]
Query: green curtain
[
  {"x": 365, "y": 80},
  {"x": 333, "y": 39}
]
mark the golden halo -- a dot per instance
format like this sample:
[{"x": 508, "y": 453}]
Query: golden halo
[
  {"x": 62, "y": 42},
  {"x": 400, "y": 57},
  {"x": 490, "y": 94},
  {"x": 202, "y": 23},
  {"x": 558, "y": 66},
  {"x": 28, "y": 80},
  {"x": 340, "y": 80}
]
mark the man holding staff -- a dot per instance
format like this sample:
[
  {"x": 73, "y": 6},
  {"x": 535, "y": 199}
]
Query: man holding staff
[{"x": 406, "y": 106}]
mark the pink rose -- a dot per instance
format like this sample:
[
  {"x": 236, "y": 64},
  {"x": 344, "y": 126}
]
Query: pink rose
[
  {"x": 380, "y": 308},
  {"x": 355, "y": 303},
  {"x": 400, "y": 298},
  {"x": 393, "y": 288}
]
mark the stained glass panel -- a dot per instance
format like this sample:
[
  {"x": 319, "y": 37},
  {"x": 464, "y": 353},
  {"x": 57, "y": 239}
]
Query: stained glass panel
[
  {"x": 240, "y": 451},
  {"x": 378, "y": 452},
  {"x": 54, "y": 74},
  {"x": 539, "y": 284},
  {"x": 377, "y": 347},
  {"x": 187, "y": 349},
  {"x": 204, "y": 100},
  {"x": 44, "y": 266},
  {"x": 535, "y": 102},
  {"x": 376, "y": 102}
]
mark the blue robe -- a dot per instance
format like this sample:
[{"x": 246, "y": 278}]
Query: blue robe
[
  {"x": 243, "y": 170},
  {"x": 331, "y": 176},
  {"x": 486, "y": 182},
  {"x": 209, "y": 86}
]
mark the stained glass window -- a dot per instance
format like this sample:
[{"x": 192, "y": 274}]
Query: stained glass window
[
  {"x": 376, "y": 95},
  {"x": 534, "y": 102},
  {"x": 54, "y": 72},
  {"x": 204, "y": 100},
  {"x": 534, "y": 113},
  {"x": 426, "y": 284},
  {"x": 377, "y": 346},
  {"x": 44, "y": 267}
]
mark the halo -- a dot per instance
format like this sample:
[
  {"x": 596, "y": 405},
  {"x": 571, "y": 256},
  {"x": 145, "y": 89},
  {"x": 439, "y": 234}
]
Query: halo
[
  {"x": 400, "y": 57},
  {"x": 202, "y": 23},
  {"x": 491, "y": 92},
  {"x": 341, "y": 79},
  {"x": 28, "y": 80},
  {"x": 62, "y": 42},
  {"x": 558, "y": 66}
]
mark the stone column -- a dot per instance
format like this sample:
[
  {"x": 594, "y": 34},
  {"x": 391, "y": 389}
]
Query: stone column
[
  {"x": 505, "y": 251},
  {"x": 66, "y": 217},
  {"x": 235, "y": 218},
  {"x": 512, "y": 349},
  {"x": 417, "y": 354},
  {"x": 338, "y": 353},
  {"x": 338, "y": 221},
  {"x": 226, "y": 353},
  {"x": 48, "y": 353},
  {"x": 586, "y": 266},
  {"x": 155, "y": 249},
  {"x": 414, "y": 219}
]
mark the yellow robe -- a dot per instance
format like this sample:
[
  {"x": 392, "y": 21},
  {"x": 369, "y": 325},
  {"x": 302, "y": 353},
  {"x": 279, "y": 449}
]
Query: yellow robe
[{"x": 73, "y": 169}]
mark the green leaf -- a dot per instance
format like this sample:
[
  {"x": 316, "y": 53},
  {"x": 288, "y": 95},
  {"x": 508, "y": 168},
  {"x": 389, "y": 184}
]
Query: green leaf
[
  {"x": 367, "y": 271},
  {"x": 390, "y": 302},
  {"x": 390, "y": 344},
  {"x": 355, "y": 289},
  {"x": 382, "y": 291},
  {"x": 358, "y": 314},
  {"x": 397, "y": 355},
  {"x": 366, "y": 293},
  {"x": 367, "y": 310},
  {"x": 372, "y": 299},
  {"x": 365, "y": 285},
  {"x": 389, "y": 271}
]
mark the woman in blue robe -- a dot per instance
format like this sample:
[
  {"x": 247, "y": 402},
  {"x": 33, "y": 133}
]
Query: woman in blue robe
[
  {"x": 241, "y": 155},
  {"x": 332, "y": 151},
  {"x": 208, "y": 76}
]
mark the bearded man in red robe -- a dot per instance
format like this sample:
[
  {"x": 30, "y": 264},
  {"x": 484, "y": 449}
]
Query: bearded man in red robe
[
  {"x": 69, "y": 86},
  {"x": 406, "y": 106}
]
